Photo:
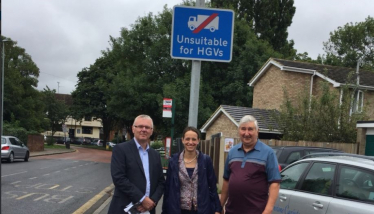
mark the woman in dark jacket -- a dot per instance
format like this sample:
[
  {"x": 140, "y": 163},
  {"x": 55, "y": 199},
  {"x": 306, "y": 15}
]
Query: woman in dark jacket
[{"x": 190, "y": 186}]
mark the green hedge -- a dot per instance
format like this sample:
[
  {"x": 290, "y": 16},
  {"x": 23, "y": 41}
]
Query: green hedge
[{"x": 19, "y": 132}]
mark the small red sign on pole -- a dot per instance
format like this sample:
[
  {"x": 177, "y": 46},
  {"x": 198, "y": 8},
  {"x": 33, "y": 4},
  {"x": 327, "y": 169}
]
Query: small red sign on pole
[{"x": 166, "y": 109}]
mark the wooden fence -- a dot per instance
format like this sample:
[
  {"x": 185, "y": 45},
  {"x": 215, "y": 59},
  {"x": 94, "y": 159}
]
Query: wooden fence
[
  {"x": 345, "y": 147},
  {"x": 212, "y": 148}
]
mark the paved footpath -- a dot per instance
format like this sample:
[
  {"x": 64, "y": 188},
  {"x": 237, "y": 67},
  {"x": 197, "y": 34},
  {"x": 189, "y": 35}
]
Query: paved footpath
[{"x": 48, "y": 151}]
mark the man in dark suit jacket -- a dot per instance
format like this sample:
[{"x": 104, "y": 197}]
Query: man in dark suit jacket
[{"x": 137, "y": 171}]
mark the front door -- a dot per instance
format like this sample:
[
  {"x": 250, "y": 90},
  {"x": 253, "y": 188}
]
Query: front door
[{"x": 369, "y": 149}]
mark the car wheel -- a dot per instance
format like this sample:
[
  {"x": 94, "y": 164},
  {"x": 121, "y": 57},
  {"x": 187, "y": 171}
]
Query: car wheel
[
  {"x": 11, "y": 158},
  {"x": 27, "y": 156}
]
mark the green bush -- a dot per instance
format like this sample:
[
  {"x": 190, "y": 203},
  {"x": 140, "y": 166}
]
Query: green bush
[
  {"x": 19, "y": 132},
  {"x": 157, "y": 145}
]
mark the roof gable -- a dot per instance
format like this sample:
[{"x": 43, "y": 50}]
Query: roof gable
[
  {"x": 335, "y": 75},
  {"x": 266, "y": 122}
]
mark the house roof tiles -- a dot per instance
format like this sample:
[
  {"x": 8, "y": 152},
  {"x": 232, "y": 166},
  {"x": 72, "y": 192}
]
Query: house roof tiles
[
  {"x": 338, "y": 74},
  {"x": 265, "y": 117}
]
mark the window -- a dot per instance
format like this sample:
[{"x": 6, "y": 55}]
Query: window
[
  {"x": 356, "y": 184},
  {"x": 78, "y": 131},
  {"x": 291, "y": 176},
  {"x": 358, "y": 102},
  {"x": 86, "y": 130},
  {"x": 319, "y": 178},
  {"x": 294, "y": 156},
  {"x": 13, "y": 141}
]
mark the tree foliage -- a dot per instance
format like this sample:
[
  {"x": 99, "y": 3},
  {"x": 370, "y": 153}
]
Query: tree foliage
[
  {"x": 269, "y": 20},
  {"x": 56, "y": 110},
  {"x": 350, "y": 43},
  {"x": 23, "y": 106},
  {"x": 320, "y": 118},
  {"x": 91, "y": 96}
]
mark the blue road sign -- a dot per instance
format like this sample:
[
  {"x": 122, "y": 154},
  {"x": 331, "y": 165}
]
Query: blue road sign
[{"x": 202, "y": 34}]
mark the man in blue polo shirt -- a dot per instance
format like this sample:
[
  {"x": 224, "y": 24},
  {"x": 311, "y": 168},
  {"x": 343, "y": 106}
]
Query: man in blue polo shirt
[{"x": 251, "y": 175}]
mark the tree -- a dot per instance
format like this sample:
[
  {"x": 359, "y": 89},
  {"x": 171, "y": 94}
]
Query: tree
[
  {"x": 144, "y": 68},
  {"x": 56, "y": 110},
  {"x": 321, "y": 118},
  {"x": 350, "y": 43},
  {"x": 91, "y": 97},
  {"x": 23, "y": 106},
  {"x": 268, "y": 18}
]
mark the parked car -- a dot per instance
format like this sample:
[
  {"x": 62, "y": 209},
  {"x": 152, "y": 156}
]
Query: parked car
[
  {"x": 289, "y": 154},
  {"x": 98, "y": 142},
  {"x": 77, "y": 140},
  {"x": 62, "y": 140},
  {"x": 87, "y": 141},
  {"x": 111, "y": 144},
  {"x": 82, "y": 141},
  {"x": 94, "y": 141},
  {"x": 327, "y": 183},
  {"x": 12, "y": 148}
]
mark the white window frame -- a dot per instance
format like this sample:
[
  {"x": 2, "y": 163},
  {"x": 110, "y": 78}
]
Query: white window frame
[{"x": 358, "y": 102}]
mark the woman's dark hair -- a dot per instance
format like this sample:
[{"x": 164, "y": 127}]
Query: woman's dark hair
[{"x": 190, "y": 128}]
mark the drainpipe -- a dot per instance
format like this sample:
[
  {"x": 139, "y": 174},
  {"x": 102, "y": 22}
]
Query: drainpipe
[
  {"x": 340, "y": 104},
  {"x": 357, "y": 72},
  {"x": 357, "y": 84},
  {"x": 311, "y": 90}
]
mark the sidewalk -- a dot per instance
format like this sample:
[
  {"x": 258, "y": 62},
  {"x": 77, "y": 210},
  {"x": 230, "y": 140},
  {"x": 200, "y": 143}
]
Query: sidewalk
[
  {"x": 48, "y": 151},
  {"x": 104, "y": 208}
]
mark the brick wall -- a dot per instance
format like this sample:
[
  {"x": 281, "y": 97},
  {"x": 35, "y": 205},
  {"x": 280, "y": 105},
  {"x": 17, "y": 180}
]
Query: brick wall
[
  {"x": 369, "y": 104},
  {"x": 268, "y": 92},
  {"x": 222, "y": 124},
  {"x": 35, "y": 143}
]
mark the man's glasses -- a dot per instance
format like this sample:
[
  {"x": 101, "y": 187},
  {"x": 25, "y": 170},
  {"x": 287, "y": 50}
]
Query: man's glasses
[{"x": 143, "y": 127}]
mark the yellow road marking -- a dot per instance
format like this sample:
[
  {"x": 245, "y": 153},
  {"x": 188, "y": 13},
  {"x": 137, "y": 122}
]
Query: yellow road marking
[{"x": 93, "y": 200}]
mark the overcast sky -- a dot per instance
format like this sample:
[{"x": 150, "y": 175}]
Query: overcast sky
[{"x": 64, "y": 36}]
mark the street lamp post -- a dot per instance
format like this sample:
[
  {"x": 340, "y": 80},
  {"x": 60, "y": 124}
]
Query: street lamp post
[{"x": 2, "y": 88}]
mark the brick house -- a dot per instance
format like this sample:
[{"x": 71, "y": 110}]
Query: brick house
[
  {"x": 225, "y": 122},
  {"x": 278, "y": 74}
]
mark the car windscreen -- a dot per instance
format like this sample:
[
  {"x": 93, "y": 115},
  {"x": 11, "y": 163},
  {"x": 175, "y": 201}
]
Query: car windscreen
[{"x": 3, "y": 141}]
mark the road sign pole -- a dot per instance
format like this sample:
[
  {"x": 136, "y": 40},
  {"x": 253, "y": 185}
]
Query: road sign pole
[
  {"x": 194, "y": 93},
  {"x": 200, "y": 3},
  {"x": 195, "y": 85}
]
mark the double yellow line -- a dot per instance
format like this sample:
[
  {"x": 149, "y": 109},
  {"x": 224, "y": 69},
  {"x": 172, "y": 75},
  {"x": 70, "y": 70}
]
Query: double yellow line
[{"x": 93, "y": 200}]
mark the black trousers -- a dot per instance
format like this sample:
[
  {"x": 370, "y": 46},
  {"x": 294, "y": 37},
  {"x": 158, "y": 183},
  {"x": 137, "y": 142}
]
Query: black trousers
[{"x": 189, "y": 211}]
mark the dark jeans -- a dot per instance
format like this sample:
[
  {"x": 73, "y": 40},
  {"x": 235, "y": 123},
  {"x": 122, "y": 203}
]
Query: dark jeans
[{"x": 189, "y": 211}]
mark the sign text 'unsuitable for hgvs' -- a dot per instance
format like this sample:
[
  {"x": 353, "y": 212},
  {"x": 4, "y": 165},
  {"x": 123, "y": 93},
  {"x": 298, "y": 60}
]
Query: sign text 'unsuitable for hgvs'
[{"x": 202, "y": 34}]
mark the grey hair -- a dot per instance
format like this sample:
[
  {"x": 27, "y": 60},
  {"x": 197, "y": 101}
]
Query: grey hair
[
  {"x": 248, "y": 118},
  {"x": 143, "y": 116}
]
